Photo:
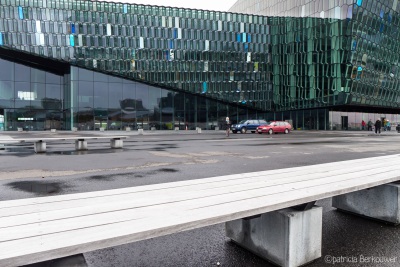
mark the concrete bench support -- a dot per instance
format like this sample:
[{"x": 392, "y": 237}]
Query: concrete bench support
[
  {"x": 70, "y": 261},
  {"x": 81, "y": 144},
  {"x": 116, "y": 143},
  {"x": 286, "y": 237},
  {"x": 40, "y": 147},
  {"x": 381, "y": 203}
]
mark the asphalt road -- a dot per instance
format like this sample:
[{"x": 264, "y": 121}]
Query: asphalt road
[{"x": 158, "y": 157}]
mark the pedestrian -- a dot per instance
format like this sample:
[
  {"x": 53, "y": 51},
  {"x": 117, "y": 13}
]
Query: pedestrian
[
  {"x": 363, "y": 125},
  {"x": 369, "y": 125},
  {"x": 388, "y": 125},
  {"x": 228, "y": 126},
  {"x": 378, "y": 125}
]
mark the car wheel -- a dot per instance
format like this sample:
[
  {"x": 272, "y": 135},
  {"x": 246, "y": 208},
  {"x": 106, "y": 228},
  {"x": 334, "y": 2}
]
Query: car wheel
[
  {"x": 253, "y": 131},
  {"x": 286, "y": 131},
  {"x": 244, "y": 130},
  {"x": 234, "y": 131},
  {"x": 259, "y": 132},
  {"x": 270, "y": 131}
]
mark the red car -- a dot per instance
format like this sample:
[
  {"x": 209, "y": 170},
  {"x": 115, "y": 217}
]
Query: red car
[{"x": 275, "y": 127}]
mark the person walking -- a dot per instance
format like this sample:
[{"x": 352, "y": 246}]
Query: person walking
[
  {"x": 228, "y": 126},
  {"x": 378, "y": 125},
  {"x": 363, "y": 125},
  {"x": 369, "y": 125}
]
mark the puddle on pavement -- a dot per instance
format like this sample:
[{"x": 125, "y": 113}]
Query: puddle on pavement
[
  {"x": 111, "y": 177},
  {"x": 162, "y": 148},
  {"x": 18, "y": 149},
  {"x": 86, "y": 152},
  {"x": 38, "y": 187},
  {"x": 167, "y": 170}
]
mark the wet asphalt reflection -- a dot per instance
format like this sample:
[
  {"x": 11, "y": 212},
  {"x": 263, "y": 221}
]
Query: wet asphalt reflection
[{"x": 159, "y": 159}]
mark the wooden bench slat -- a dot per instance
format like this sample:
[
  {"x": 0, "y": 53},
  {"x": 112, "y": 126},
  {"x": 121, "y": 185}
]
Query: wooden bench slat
[
  {"x": 105, "y": 193},
  {"x": 155, "y": 210},
  {"x": 148, "y": 196},
  {"x": 53, "y": 211},
  {"x": 24, "y": 251}
]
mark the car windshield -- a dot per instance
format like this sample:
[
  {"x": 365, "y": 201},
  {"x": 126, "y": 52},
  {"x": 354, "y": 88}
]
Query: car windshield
[{"x": 242, "y": 122}]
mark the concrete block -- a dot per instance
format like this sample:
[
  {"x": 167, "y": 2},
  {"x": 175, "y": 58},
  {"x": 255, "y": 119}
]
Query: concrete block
[
  {"x": 102, "y": 129},
  {"x": 380, "y": 203},
  {"x": 176, "y": 128},
  {"x": 81, "y": 145},
  {"x": 216, "y": 128},
  {"x": 198, "y": 130},
  {"x": 153, "y": 129},
  {"x": 74, "y": 129},
  {"x": 114, "y": 143},
  {"x": 140, "y": 131},
  {"x": 19, "y": 129},
  {"x": 128, "y": 129},
  {"x": 40, "y": 147},
  {"x": 285, "y": 237},
  {"x": 53, "y": 130},
  {"x": 70, "y": 261}
]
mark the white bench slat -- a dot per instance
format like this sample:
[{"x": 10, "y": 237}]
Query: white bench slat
[
  {"x": 139, "y": 198},
  {"x": 105, "y": 193},
  {"x": 146, "y": 211},
  {"x": 52, "y": 211},
  {"x": 24, "y": 251}
]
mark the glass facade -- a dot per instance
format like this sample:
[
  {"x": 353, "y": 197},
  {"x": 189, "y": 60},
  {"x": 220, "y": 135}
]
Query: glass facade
[
  {"x": 103, "y": 101},
  {"x": 30, "y": 98},
  {"x": 333, "y": 53},
  {"x": 220, "y": 55},
  {"x": 94, "y": 64}
]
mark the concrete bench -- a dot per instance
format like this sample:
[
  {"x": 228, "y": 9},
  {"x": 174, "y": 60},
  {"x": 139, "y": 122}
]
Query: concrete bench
[
  {"x": 80, "y": 141},
  {"x": 271, "y": 213}
]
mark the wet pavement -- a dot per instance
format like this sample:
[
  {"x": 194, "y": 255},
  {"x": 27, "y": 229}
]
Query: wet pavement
[{"x": 159, "y": 156}]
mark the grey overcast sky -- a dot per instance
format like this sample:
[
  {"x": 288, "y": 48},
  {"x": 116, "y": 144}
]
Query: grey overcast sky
[{"x": 221, "y": 5}]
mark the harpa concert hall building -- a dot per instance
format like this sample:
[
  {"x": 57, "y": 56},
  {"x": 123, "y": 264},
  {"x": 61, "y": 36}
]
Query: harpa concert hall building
[{"x": 324, "y": 65}]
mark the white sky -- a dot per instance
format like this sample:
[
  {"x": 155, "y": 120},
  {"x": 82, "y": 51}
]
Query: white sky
[{"x": 221, "y": 5}]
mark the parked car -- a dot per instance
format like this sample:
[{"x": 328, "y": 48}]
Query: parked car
[
  {"x": 247, "y": 125},
  {"x": 275, "y": 127}
]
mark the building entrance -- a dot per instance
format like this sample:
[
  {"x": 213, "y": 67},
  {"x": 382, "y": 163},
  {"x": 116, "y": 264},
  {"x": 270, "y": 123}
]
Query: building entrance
[{"x": 345, "y": 122}]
